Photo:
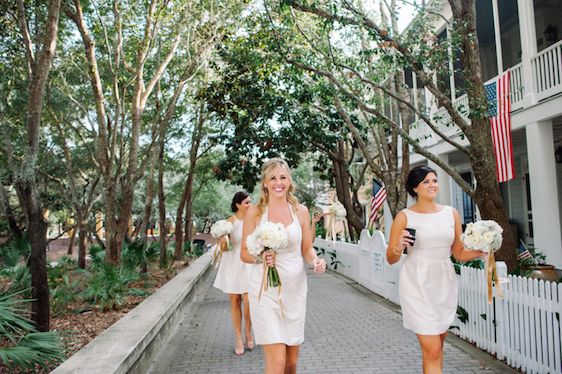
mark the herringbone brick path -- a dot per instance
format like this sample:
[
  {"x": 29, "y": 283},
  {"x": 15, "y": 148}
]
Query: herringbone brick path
[{"x": 348, "y": 330}]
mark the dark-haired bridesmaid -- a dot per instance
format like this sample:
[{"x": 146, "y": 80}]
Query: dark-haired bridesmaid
[
  {"x": 428, "y": 282},
  {"x": 232, "y": 278}
]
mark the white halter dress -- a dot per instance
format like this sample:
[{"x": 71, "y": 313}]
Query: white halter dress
[
  {"x": 231, "y": 277},
  {"x": 270, "y": 324},
  {"x": 428, "y": 282}
]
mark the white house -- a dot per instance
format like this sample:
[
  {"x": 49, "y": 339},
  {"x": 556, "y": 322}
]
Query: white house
[{"x": 524, "y": 36}]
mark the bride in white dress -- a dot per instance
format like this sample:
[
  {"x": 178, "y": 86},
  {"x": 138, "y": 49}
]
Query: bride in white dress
[
  {"x": 428, "y": 283},
  {"x": 232, "y": 278},
  {"x": 279, "y": 326}
]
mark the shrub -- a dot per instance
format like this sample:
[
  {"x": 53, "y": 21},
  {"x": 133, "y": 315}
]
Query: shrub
[
  {"x": 13, "y": 256},
  {"x": 23, "y": 346},
  {"x": 108, "y": 286}
]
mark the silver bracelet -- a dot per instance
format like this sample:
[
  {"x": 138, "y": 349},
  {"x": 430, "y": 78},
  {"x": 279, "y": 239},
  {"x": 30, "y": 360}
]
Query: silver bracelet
[{"x": 258, "y": 259}]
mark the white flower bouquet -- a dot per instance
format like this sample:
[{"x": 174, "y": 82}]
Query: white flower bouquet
[
  {"x": 487, "y": 237},
  {"x": 221, "y": 228},
  {"x": 221, "y": 231},
  {"x": 483, "y": 235},
  {"x": 337, "y": 210},
  {"x": 268, "y": 236}
]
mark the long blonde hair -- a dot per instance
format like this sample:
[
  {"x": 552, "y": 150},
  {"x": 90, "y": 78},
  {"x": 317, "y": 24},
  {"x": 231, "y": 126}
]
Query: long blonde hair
[{"x": 267, "y": 169}]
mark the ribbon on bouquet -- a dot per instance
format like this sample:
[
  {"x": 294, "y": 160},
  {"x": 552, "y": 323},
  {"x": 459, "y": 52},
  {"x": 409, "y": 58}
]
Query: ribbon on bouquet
[
  {"x": 265, "y": 284},
  {"x": 223, "y": 245},
  {"x": 331, "y": 227},
  {"x": 492, "y": 274}
]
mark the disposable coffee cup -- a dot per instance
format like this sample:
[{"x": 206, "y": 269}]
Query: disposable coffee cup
[{"x": 412, "y": 233}]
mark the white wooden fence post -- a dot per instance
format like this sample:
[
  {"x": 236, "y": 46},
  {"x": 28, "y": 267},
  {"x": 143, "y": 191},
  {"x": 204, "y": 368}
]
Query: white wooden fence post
[{"x": 502, "y": 322}]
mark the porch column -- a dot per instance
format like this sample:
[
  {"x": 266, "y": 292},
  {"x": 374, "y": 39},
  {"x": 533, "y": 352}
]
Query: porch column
[
  {"x": 544, "y": 191},
  {"x": 444, "y": 196},
  {"x": 497, "y": 34},
  {"x": 528, "y": 32}
]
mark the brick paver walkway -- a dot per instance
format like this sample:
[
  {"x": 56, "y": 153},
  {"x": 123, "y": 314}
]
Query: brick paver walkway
[{"x": 348, "y": 330}]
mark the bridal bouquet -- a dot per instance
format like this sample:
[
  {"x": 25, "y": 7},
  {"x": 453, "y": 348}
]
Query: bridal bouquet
[
  {"x": 483, "y": 235},
  {"x": 336, "y": 212},
  {"x": 220, "y": 230},
  {"x": 487, "y": 237},
  {"x": 268, "y": 236}
]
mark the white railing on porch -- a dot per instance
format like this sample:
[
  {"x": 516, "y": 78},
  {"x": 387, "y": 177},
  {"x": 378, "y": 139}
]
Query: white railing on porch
[
  {"x": 523, "y": 328},
  {"x": 547, "y": 71},
  {"x": 517, "y": 90}
]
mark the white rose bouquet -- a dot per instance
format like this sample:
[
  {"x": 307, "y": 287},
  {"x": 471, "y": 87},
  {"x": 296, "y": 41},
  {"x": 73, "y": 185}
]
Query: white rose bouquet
[
  {"x": 483, "y": 235},
  {"x": 487, "y": 237},
  {"x": 268, "y": 236},
  {"x": 221, "y": 231},
  {"x": 337, "y": 210}
]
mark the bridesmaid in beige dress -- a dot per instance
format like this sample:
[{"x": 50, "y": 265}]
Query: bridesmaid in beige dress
[
  {"x": 428, "y": 283},
  {"x": 232, "y": 278},
  {"x": 279, "y": 327}
]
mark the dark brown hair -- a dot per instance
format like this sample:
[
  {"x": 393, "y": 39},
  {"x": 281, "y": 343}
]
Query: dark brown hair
[
  {"x": 415, "y": 177},
  {"x": 237, "y": 199}
]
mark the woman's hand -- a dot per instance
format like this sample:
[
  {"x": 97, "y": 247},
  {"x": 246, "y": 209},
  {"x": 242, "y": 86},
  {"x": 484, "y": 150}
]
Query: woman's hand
[
  {"x": 319, "y": 265},
  {"x": 269, "y": 258},
  {"x": 480, "y": 254},
  {"x": 405, "y": 239},
  {"x": 316, "y": 217}
]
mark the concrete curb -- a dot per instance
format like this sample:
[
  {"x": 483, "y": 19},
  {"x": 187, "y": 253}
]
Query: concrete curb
[{"x": 118, "y": 348}]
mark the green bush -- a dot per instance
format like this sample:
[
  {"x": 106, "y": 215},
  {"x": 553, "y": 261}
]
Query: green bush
[
  {"x": 25, "y": 348},
  {"x": 12, "y": 252},
  {"x": 108, "y": 286},
  {"x": 97, "y": 256},
  {"x": 63, "y": 294},
  {"x": 13, "y": 256}
]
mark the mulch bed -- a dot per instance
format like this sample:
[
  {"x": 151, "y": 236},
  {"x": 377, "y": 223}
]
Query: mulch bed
[{"x": 81, "y": 322}]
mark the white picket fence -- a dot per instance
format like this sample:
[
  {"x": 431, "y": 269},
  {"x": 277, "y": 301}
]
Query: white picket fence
[{"x": 523, "y": 328}]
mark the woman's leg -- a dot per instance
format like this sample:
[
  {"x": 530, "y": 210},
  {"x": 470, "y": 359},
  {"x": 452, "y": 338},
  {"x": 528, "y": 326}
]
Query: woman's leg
[
  {"x": 236, "y": 314},
  {"x": 291, "y": 359},
  {"x": 275, "y": 356},
  {"x": 442, "y": 336},
  {"x": 432, "y": 353},
  {"x": 247, "y": 322}
]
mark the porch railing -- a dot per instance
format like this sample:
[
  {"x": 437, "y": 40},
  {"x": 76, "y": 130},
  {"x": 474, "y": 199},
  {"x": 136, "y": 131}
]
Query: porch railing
[
  {"x": 517, "y": 90},
  {"x": 547, "y": 71}
]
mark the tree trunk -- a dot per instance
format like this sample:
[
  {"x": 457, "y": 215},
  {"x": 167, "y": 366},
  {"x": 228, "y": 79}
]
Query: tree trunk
[
  {"x": 39, "y": 66},
  {"x": 71, "y": 242},
  {"x": 148, "y": 202},
  {"x": 341, "y": 176},
  {"x": 82, "y": 241},
  {"x": 37, "y": 232},
  {"x": 187, "y": 197},
  {"x": 9, "y": 213},
  {"x": 162, "y": 202},
  {"x": 487, "y": 194},
  {"x": 178, "y": 250}
]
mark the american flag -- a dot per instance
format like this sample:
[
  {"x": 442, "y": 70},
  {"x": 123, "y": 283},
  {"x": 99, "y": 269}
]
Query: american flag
[
  {"x": 377, "y": 199},
  {"x": 500, "y": 120},
  {"x": 523, "y": 253}
]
